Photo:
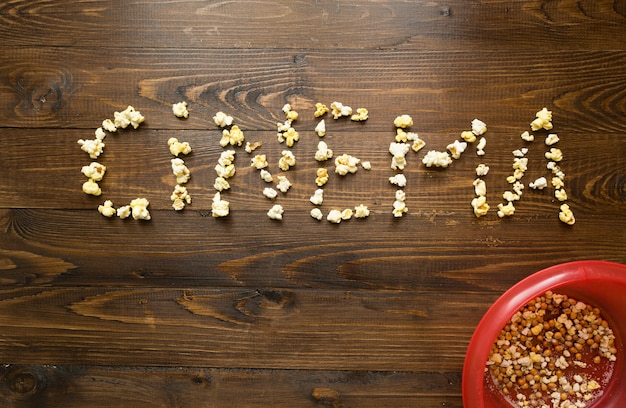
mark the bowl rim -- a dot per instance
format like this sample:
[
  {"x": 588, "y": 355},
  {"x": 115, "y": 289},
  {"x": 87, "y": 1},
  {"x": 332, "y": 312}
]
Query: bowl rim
[{"x": 512, "y": 300}]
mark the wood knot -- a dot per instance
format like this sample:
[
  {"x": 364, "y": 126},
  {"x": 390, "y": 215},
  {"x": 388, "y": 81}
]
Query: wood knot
[
  {"x": 41, "y": 91},
  {"x": 202, "y": 380},
  {"x": 327, "y": 397},
  {"x": 23, "y": 382},
  {"x": 267, "y": 303},
  {"x": 446, "y": 12}
]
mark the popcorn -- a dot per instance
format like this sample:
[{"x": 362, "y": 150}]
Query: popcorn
[
  {"x": 437, "y": 159},
  {"x": 403, "y": 121},
  {"x": 347, "y": 214},
  {"x": 543, "y": 120},
  {"x": 334, "y": 216},
  {"x": 527, "y": 136},
  {"x": 107, "y": 209},
  {"x": 219, "y": 207},
  {"x": 361, "y": 211},
  {"x": 520, "y": 163},
  {"x": 180, "y": 196},
  {"x": 480, "y": 147},
  {"x": 401, "y": 136},
  {"x": 139, "y": 207},
  {"x": 398, "y": 151},
  {"x": 400, "y": 195},
  {"x": 556, "y": 170},
  {"x": 99, "y": 133},
  {"x": 560, "y": 194},
  {"x": 291, "y": 136},
  {"x": 320, "y": 109},
  {"x": 225, "y": 167},
  {"x": 121, "y": 120},
  {"x": 283, "y": 184},
  {"x": 128, "y": 116},
  {"x": 398, "y": 180},
  {"x": 539, "y": 184},
  {"x": 266, "y": 176},
  {"x": 287, "y": 160},
  {"x": 317, "y": 214},
  {"x": 506, "y": 210},
  {"x": 222, "y": 120},
  {"x": 289, "y": 112},
  {"x": 417, "y": 144},
  {"x": 399, "y": 208},
  {"x": 222, "y": 171},
  {"x": 482, "y": 170},
  {"x": 554, "y": 154},
  {"x": 361, "y": 115},
  {"x": 322, "y": 177},
  {"x": 510, "y": 196},
  {"x": 345, "y": 164},
  {"x": 181, "y": 171},
  {"x": 234, "y": 136},
  {"x": 286, "y": 133},
  {"x": 177, "y": 147},
  {"x": 320, "y": 128},
  {"x": 468, "y": 136},
  {"x": 520, "y": 152},
  {"x": 180, "y": 110},
  {"x": 92, "y": 147},
  {"x": 318, "y": 197},
  {"x": 270, "y": 193},
  {"x": 225, "y": 140},
  {"x": 480, "y": 206},
  {"x": 398, "y": 162},
  {"x": 91, "y": 187},
  {"x": 399, "y": 205},
  {"x": 227, "y": 157},
  {"x": 557, "y": 182},
  {"x": 366, "y": 165},
  {"x": 259, "y": 161},
  {"x": 124, "y": 211},
  {"x": 108, "y": 125},
  {"x": 282, "y": 128},
  {"x": 566, "y": 215},
  {"x": 221, "y": 184},
  {"x": 95, "y": 171},
  {"x": 250, "y": 147},
  {"x": 480, "y": 187},
  {"x": 338, "y": 110},
  {"x": 323, "y": 152},
  {"x": 478, "y": 127},
  {"x": 276, "y": 212},
  {"x": 456, "y": 149},
  {"x": 551, "y": 139}
]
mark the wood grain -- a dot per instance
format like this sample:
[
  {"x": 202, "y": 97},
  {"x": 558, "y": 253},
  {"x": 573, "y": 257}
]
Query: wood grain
[
  {"x": 417, "y": 25},
  {"x": 188, "y": 310},
  {"x": 443, "y": 90},
  {"x": 76, "y": 386}
]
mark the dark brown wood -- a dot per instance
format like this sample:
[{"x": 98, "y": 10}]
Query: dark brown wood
[{"x": 189, "y": 310}]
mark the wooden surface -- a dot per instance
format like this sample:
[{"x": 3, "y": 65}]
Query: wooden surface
[{"x": 188, "y": 310}]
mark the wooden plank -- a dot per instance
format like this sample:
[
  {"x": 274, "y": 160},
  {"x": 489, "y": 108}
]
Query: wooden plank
[
  {"x": 430, "y": 252},
  {"x": 138, "y": 165},
  {"x": 419, "y": 25},
  {"x": 239, "y": 328},
  {"x": 75, "y": 88},
  {"x": 147, "y": 387}
]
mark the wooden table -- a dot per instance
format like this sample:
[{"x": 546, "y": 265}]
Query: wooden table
[{"x": 189, "y": 310}]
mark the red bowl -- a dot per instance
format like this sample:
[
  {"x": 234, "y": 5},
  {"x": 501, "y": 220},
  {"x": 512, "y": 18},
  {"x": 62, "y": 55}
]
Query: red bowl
[{"x": 599, "y": 283}]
